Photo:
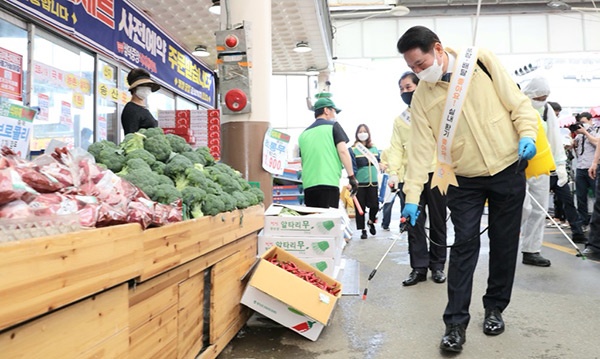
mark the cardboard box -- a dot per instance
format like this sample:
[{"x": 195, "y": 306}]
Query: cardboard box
[
  {"x": 301, "y": 246},
  {"x": 288, "y": 299},
  {"x": 311, "y": 222}
]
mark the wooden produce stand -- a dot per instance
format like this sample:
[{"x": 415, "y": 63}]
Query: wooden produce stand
[{"x": 122, "y": 292}]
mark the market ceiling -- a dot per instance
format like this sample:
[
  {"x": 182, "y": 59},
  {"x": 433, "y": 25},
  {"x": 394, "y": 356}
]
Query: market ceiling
[{"x": 294, "y": 21}]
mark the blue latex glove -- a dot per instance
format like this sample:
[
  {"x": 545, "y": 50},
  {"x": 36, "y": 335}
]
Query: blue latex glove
[
  {"x": 526, "y": 148},
  {"x": 411, "y": 212}
]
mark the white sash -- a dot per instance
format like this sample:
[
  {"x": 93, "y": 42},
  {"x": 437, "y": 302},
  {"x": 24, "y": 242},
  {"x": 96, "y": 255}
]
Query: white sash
[
  {"x": 368, "y": 154},
  {"x": 457, "y": 91}
]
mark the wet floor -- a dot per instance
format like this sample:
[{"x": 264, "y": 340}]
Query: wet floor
[{"x": 554, "y": 311}]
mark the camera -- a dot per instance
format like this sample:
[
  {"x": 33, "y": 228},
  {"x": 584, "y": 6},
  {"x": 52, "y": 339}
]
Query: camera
[{"x": 576, "y": 126}]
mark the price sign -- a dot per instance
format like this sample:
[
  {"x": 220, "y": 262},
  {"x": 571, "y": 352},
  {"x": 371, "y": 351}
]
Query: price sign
[
  {"x": 275, "y": 151},
  {"x": 16, "y": 123}
]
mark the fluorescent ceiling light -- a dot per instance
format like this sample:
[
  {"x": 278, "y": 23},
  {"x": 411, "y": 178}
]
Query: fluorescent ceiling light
[
  {"x": 302, "y": 46},
  {"x": 201, "y": 51},
  {"x": 215, "y": 7}
]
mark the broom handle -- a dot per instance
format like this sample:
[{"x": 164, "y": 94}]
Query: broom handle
[{"x": 357, "y": 205}]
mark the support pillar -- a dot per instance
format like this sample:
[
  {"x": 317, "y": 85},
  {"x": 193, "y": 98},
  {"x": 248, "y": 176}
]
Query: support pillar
[{"x": 242, "y": 134}]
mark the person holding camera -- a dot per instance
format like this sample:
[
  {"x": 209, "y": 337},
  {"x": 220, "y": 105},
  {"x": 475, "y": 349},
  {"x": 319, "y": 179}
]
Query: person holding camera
[{"x": 584, "y": 146}]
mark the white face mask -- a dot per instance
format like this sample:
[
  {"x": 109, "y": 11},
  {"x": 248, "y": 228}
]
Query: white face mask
[
  {"x": 538, "y": 104},
  {"x": 433, "y": 73},
  {"x": 586, "y": 125},
  {"x": 143, "y": 92},
  {"x": 362, "y": 136}
]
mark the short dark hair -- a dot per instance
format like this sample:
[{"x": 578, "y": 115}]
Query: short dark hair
[
  {"x": 319, "y": 111},
  {"x": 555, "y": 106},
  {"x": 417, "y": 37},
  {"x": 586, "y": 115},
  {"x": 412, "y": 75}
]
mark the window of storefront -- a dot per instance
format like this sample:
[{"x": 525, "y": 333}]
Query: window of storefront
[
  {"x": 108, "y": 98},
  {"x": 184, "y": 104},
  {"x": 13, "y": 47},
  {"x": 63, "y": 80}
]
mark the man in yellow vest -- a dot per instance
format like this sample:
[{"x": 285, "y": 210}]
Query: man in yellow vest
[{"x": 483, "y": 128}]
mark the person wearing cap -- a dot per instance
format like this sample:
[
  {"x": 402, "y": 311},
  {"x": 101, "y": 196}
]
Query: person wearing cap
[
  {"x": 136, "y": 115},
  {"x": 323, "y": 152},
  {"x": 584, "y": 146}
]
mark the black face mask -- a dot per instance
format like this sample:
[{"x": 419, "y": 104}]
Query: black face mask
[{"x": 407, "y": 97}]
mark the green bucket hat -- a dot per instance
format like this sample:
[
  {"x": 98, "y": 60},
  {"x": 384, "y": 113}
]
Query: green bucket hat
[{"x": 324, "y": 100}]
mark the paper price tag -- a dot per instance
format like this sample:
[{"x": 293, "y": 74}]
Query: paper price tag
[{"x": 274, "y": 157}]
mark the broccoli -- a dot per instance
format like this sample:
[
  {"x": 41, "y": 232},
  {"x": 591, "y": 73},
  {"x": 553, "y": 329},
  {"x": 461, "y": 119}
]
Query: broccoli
[
  {"x": 159, "y": 147},
  {"x": 194, "y": 178},
  {"x": 241, "y": 201},
  {"x": 176, "y": 167},
  {"x": 95, "y": 148},
  {"x": 151, "y": 132},
  {"x": 193, "y": 198},
  {"x": 208, "y": 158},
  {"x": 158, "y": 167},
  {"x": 195, "y": 157},
  {"x": 258, "y": 193},
  {"x": 143, "y": 154},
  {"x": 144, "y": 179},
  {"x": 132, "y": 142},
  {"x": 251, "y": 198},
  {"x": 224, "y": 176},
  {"x": 166, "y": 194},
  {"x": 212, "y": 205},
  {"x": 162, "y": 179},
  {"x": 112, "y": 158},
  {"x": 229, "y": 201},
  {"x": 134, "y": 164},
  {"x": 178, "y": 144}
]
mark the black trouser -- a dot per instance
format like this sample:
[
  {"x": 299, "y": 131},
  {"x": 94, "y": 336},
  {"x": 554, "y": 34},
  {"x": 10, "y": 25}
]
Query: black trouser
[
  {"x": 583, "y": 183},
  {"x": 504, "y": 192},
  {"x": 367, "y": 197},
  {"x": 322, "y": 196},
  {"x": 421, "y": 257},
  {"x": 594, "y": 237},
  {"x": 564, "y": 195}
]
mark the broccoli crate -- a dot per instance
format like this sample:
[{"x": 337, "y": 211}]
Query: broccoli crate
[
  {"x": 289, "y": 300},
  {"x": 311, "y": 221}
]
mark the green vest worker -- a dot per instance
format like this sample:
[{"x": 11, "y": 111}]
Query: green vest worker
[{"x": 323, "y": 152}]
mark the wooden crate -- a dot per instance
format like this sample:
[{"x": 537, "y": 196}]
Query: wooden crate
[
  {"x": 173, "y": 245},
  {"x": 180, "y": 292},
  {"x": 41, "y": 274},
  {"x": 96, "y": 327}
]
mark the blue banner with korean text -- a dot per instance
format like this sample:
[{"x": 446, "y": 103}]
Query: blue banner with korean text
[{"x": 119, "y": 29}]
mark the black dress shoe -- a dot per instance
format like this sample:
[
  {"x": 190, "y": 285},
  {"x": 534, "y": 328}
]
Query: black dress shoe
[
  {"x": 454, "y": 338},
  {"x": 535, "y": 259},
  {"x": 372, "y": 229},
  {"x": 438, "y": 276},
  {"x": 493, "y": 323},
  {"x": 363, "y": 234},
  {"x": 414, "y": 277}
]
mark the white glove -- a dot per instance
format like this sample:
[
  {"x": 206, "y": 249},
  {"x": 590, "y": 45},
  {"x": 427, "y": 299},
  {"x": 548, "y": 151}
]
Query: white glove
[{"x": 563, "y": 177}]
